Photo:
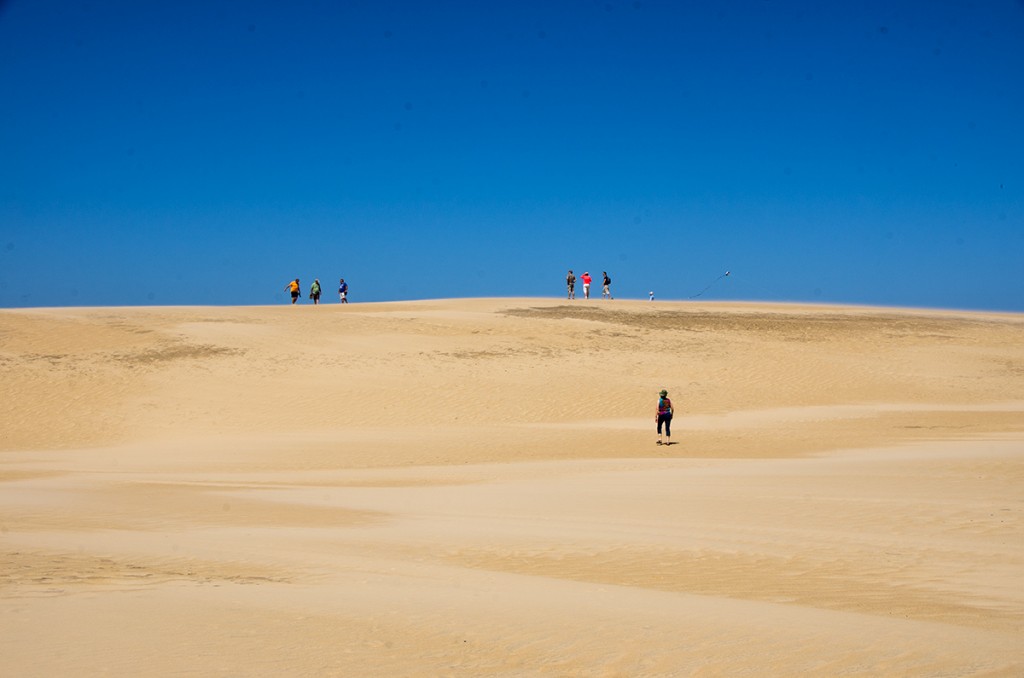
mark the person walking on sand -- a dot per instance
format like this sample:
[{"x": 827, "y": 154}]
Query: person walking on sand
[
  {"x": 586, "y": 284},
  {"x": 664, "y": 416},
  {"x": 294, "y": 288},
  {"x": 606, "y": 284},
  {"x": 570, "y": 283},
  {"x": 343, "y": 291},
  {"x": 314, "y": 291}
]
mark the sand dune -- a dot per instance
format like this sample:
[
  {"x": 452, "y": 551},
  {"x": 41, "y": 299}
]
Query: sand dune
[{"x": 471, "y": 487}]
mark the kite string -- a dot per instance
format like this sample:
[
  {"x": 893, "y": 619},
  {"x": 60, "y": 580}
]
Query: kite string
[{"x": 710, "y": 285}]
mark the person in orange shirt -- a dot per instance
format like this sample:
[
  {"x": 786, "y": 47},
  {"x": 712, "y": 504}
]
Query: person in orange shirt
[{"x": 294, "y": 287}]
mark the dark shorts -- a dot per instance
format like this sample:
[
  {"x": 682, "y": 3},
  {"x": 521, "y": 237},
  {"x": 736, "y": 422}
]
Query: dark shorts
[
  {"x": 295, "y": 295},
  {"x": 665, "y": 419}
]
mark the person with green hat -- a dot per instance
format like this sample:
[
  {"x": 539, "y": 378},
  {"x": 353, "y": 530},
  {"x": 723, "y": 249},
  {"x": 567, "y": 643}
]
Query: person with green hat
[{"x": 664, "y": 416}]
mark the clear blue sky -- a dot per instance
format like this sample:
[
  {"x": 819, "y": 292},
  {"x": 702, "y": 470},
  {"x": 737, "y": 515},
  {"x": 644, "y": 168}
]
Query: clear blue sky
[{"x": 208, "y": 152}]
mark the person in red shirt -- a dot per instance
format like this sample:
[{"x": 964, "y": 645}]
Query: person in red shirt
[{"x": 586, "y": 284}]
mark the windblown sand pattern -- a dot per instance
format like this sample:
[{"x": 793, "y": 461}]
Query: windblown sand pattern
[{"x": 471, "y": 487}]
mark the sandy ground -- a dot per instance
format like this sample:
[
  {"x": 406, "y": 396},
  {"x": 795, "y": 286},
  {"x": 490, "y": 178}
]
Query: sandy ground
[{"x": 471, "y": 487}]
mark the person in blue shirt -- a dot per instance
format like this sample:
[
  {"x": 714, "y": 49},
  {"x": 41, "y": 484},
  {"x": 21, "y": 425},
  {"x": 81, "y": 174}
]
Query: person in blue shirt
[{"x": 343, "y": 291}]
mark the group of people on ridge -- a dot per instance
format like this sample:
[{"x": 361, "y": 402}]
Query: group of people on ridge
[
  {"x": 570, "y": 284},
  {"x": 315, "y": 290}
]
